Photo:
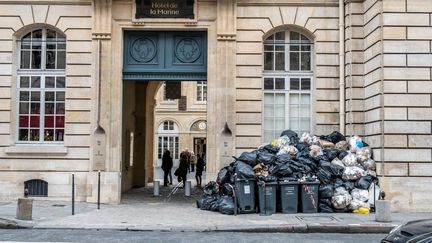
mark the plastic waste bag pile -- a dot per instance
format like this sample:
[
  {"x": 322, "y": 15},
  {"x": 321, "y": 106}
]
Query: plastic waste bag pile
[{"x": 344, "y": 167}]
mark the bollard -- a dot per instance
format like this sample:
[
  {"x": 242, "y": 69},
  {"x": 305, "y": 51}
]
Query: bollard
[
  {"x": 188, "y": 188},
  {"x": 156, "y": 186},
  {"x": 382, "y": 211},
  {"x": 24, "y": 209},
  {"x": 98, "y": 196},
  {"x": 73, "y": 193}
]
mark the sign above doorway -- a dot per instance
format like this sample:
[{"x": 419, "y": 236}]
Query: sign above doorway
[
  {"x": 165, "y": 56},
  {"x": 165, "y": 9}
]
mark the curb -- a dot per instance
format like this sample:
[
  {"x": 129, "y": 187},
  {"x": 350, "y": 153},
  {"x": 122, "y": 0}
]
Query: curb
[{"x": 312, "y": 228}]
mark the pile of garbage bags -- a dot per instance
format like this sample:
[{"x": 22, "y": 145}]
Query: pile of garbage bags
[{"x": 344, "y": 167}]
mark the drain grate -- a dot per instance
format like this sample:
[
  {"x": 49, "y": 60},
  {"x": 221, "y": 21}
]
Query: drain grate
[
  {"x": 59, "y": 205},
  {"x": 318, "y": 219}
]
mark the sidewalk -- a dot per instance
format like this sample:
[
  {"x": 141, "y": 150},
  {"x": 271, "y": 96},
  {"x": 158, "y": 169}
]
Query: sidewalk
[{"x": 141, "y": 211}]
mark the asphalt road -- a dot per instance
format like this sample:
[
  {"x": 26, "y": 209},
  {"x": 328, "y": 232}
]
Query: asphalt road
[{"x": 41, "y": 235}]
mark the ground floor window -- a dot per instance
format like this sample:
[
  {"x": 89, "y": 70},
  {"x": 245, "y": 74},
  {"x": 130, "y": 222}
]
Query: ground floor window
[
  {"x": 287, "y": 104},
  {"x": 170, "y": 143},
  {"x": 41, "y": 108}
]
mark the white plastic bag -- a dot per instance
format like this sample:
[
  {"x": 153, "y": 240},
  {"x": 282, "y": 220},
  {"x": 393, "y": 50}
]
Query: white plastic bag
[
  {"x": 291, "y": 150},
  {"x": 359, "y": 194},
  {"x": 341, "y": 198},
  {"x": 309, "y": 139},
  {"x": 350, "y": 159},
  {"x": 355, "y": 143},
  {"x": 315, "y": 151},
  {"x": 353, "y": 173}
]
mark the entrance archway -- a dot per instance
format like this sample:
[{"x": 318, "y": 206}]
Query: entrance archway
[{"x": 151, "y": 57}]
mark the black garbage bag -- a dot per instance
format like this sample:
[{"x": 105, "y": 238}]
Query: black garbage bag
[
  {"x": 265, "y": 157},
  {"x": 302, "y": 147},
  {"x": 244, "y": 171},
  {"x": 326, "y": 201},
  {"x": 294, "y": 139},
  {"x": 364, "y": 182},
  {"x": 327, "y": 172},
  {"x": 273, "y": 168},
  {"x": 226, "y": 205},
  {"x": 303, "y": 154},
  {"x": 343, "y": 210},
  {"x": 337, "y": 182},
  {"x": 333, "y": 137},
  {"x": 268, "y": 178},
  {"x": 284, "y": 170},
  {"x": 349, "y": 185},
  {"x": 249, "y": 157},
  {"x": 200, "y": 201},
  {"x": 324, "y": 176},
  {"x": 283, "y": 158},
  {"x": 326, "y": 191},
  {"x": 297, "y": 166},
  {"x": 227, "y": 189},
  {"x": 210, "y": 203},
  {"x": 324, "y": 208},
  {"x": 224, "y": 176},
  {"x": 342, "y": 154},
  {"x": 271, "y": 149},
  {"x": 331, "y": 154},
  {"x": 211, "y": 188}
]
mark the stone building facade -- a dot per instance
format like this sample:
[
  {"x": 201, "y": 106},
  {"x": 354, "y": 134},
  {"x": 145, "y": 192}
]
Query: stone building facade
[{"x": 357, "y": 66}]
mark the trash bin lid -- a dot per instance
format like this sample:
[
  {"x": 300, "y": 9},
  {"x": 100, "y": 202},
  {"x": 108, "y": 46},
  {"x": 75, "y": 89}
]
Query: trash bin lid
[
  {"x": 248, "y": 179},
  {"x": 289, "y": 183},
  {"x": 288, "y": 179},
  {"x": 310, "y": 182}
]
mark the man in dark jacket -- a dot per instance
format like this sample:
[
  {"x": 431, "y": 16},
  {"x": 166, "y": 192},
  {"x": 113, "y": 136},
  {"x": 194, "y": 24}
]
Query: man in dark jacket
[
  {"x": 183, "y": 168},
  {"x": 167, "y": 164}
]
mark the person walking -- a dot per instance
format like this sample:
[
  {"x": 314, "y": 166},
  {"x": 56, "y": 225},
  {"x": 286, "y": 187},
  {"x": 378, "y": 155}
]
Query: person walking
[
  {"x": 199, "y": 170},
  {"x": 186, "y": 153},
  {"x": 183, "y": 169},
  {"x": 192, "y": 161},
  {"x": 167, "y": 164}
]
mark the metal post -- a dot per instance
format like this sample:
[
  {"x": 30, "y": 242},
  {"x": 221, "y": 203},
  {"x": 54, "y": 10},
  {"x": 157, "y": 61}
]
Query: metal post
[
  {"x": 98, "y": 199},
  {"x": 156, "y": 185},
  {"x": 73, "y": 193},
  {"x": 187, "y": 188}
]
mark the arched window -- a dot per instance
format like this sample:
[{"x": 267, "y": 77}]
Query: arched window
[
  {"x": 41, "y": 86},
  {"x": 287, "y": 84},
  {"x": 168, "y": 138},
  {"x": 199, "y": 126}
]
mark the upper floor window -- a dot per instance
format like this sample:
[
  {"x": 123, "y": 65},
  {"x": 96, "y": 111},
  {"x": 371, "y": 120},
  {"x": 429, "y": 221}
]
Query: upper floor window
[
  {"x": 287, "y": 51},
  {"x": 43, "y": 49},
  {"x": 168, "y": 126},
  {"x": 41, "y": 86},
  {"x": 201, "y": 91},
  {"x": 287, "y": 84}
]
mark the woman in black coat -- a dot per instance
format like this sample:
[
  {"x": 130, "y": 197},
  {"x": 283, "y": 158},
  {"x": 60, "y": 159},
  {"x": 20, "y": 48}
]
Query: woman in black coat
[
  {"x": 199, "y": 170},
  {"x": 167, "y": 164},
  {"x": 183, "y": 168}
]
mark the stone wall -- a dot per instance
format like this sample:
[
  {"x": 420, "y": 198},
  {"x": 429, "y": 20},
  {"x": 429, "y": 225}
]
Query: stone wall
[
  {"x": 407, "y": 82},
  {"x": 255, "y": 20},
  {"x": 388, "y": 93},
  {"x": 51, "y": 163}
]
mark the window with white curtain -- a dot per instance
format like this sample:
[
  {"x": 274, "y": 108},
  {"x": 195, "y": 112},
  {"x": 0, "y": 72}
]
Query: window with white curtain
[
  {"x": 41, "y": 86},
  {"x": 287, "y": 84}
]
